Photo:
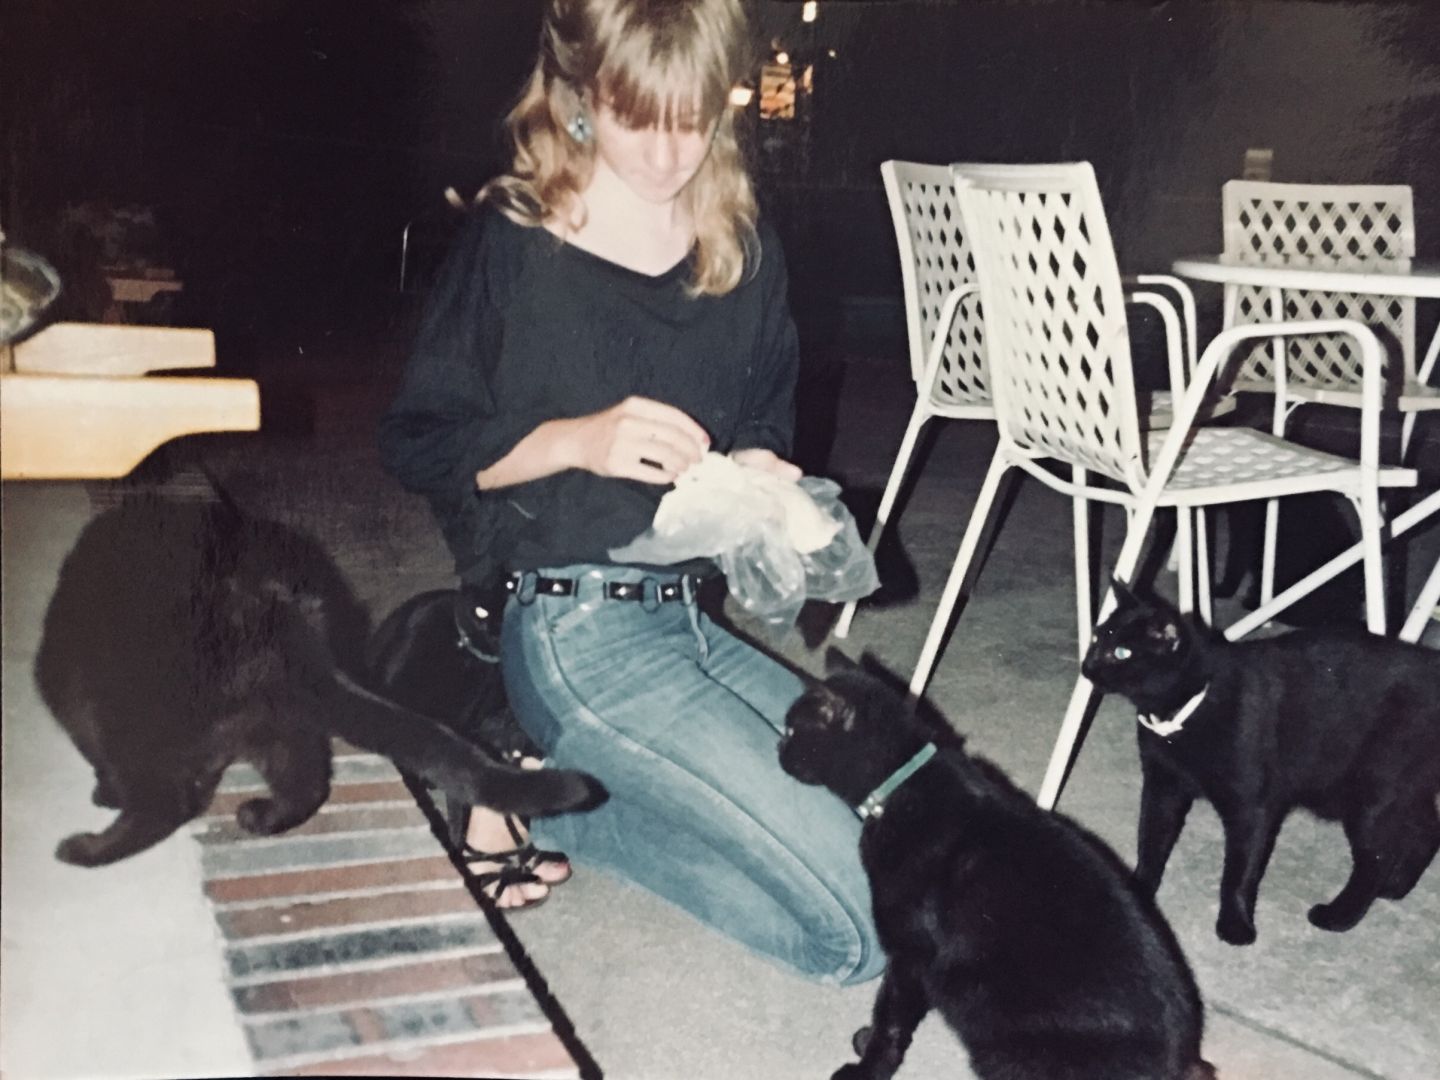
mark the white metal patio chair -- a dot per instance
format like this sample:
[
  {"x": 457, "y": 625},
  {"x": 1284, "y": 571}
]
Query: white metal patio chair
[
  {"x": 945, "y": 333},
  {"x": 942, "y": 319},
  {"x": 1063, "y": 391},
  {"x": 1326, "y": 226}
]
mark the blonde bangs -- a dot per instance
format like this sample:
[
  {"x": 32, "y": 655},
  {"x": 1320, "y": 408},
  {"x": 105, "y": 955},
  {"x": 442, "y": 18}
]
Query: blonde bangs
[{"x": 667, "y": 76}]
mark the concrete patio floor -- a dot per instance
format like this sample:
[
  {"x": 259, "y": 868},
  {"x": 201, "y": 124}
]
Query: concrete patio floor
[{"x": 132, "y": 952}]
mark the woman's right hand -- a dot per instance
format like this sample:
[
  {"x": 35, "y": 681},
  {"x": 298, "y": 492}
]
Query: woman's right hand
[{"x": 637, "y": 439}]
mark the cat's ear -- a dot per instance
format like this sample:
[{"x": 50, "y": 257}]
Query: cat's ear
[
  {"x": 1124, "y": 595},
  {"x": 829, "y": 708},
  {"x": 837, "y": 661},
  {"x": 1169, "y": 633}
]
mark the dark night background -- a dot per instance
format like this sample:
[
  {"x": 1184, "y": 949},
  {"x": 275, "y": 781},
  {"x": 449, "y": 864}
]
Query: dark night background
[{"x": 283, "y": 146}]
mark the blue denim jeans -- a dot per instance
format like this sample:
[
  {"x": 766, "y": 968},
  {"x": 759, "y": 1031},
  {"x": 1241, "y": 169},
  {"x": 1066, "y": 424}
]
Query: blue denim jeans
[{"x": 680, "y": 720}]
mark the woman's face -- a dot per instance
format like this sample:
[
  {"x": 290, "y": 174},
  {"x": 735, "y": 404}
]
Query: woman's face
[{"x": 654, "y": 162}]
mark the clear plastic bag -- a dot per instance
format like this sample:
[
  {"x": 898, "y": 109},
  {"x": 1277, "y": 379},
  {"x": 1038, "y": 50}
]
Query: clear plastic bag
[{"x": 767, "y": 535}]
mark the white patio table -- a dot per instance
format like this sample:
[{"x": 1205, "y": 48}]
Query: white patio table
[{"x": 1416, "y": 277}]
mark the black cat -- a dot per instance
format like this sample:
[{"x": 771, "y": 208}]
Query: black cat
[
  {"x": 1020, "y": 927},
  {"x": 1342, "y": 723},
  {"x": 184, "y": 635},
  {"x": 439, "y": 654}
]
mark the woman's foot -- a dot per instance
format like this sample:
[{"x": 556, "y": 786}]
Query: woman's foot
[{"x": 511, "y": 870}]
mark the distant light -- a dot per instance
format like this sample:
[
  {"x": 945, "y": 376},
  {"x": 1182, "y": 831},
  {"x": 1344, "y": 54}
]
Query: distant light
[
  {"x": 830, "y": 53},
  {"x": 741, "y": 96},
  {"x": 809, "y": 11},
  {"x": 782, "y": 58}
]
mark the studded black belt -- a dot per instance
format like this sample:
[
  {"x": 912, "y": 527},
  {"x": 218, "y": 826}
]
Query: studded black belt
[{"x": 648, "y": 591}]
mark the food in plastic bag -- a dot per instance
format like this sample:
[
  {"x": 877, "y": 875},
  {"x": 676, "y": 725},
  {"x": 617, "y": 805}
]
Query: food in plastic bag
[{"x": 779, "y": 542}]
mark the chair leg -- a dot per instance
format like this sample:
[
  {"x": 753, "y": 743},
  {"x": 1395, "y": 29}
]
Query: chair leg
[
  {"x": 1185, "y": 542},
  {"x": 1407, "y": 428},
  {"x": 1425, "y": 606},
  {"x": 1080, "y": 697},
  {"x": 1267, "y": 562},
  {"x": 1202, "y": 567},
  {"x": 1279, "y": 359},
  {"x": 1084, "y": 605},
  {"x": 1423, "y": 374},
  {"x": 984, "y": 503},
  {"x": 887, "y": 501},
  {"x": 1371, "y": 523}
]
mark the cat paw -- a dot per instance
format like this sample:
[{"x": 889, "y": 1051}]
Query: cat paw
[
  {"x": 1329, "y": 917},
  {"x": 104, "y": 796},
  {"x": 81, "y": 849},
  {"x": 861, "y": 1039},
  {"x": 852, "y": 1071},
  {"x": 1235, "y": 929},
  {"x": 262, "y": 817}
]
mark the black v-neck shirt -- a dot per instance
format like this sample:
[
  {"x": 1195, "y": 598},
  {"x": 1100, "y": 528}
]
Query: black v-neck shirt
[{"x": 522, "y": 327}]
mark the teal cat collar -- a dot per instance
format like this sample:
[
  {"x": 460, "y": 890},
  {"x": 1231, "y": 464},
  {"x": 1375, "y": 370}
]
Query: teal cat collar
[
  {"x": 874, "y": 803},
  {"x": 1166, "y": 728}
]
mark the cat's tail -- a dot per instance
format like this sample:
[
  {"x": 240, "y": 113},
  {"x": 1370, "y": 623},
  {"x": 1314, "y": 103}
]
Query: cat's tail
[{"x": 429, "y": 750}]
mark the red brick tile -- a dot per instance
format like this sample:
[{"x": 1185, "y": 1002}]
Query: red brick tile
[
  {"x": 515, "y": 1054},
  {"x": 227, "y": 802},
  {"x": 326, "y": 823},
  {"x": 320, "y": 991},
  {"x": 331, "y": 879},
  {"x": 369, "y": 1027},
  {"x": 345, "y": 911},
  {"x": 492, "y": 1010}
]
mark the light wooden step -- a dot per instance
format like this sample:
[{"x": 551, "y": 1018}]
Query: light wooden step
[
  {"x": 55, "y": 427},
  {"x": 75, "y": 402},
  {"x": 100, "y": 349}
]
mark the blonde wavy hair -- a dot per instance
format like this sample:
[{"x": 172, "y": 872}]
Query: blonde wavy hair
[{"x": 665, "y": 62}]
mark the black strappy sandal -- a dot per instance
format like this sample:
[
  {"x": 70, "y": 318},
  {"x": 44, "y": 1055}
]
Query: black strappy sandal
[
  {"x": 515, "y": 866},
  {"x": 511, "y": 872}
]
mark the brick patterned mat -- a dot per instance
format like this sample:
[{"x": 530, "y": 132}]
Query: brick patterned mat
[{"x": 353, "y": 946}]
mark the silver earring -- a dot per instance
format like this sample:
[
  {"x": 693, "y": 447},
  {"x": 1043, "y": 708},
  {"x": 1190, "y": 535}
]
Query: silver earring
[{"x": 579, "y": 128}]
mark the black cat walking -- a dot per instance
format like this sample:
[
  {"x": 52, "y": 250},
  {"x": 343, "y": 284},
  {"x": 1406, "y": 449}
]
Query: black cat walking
[
  {"x": 1022, "y": 929},
  {"x": 184, "y": 635},
  {"x": 1337, "y": 721}
]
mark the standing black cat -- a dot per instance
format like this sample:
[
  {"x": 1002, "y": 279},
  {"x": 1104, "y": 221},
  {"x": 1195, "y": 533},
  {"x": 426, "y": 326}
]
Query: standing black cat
[
  {"x": 1022, "y": 929},
  {"x": 184, "y": 635},
  {"x": 1339, "y": 722}
]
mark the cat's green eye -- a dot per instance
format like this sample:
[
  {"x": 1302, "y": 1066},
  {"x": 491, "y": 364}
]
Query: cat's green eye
[{"x": 1122, "y": 652}]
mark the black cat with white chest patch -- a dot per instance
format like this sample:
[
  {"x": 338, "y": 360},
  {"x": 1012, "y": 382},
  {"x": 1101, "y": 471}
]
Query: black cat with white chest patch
[
  {"x": 1020, "y": 928},
  {"x": 184, "y": 635},
  {"x": 1337, "y": 721}
]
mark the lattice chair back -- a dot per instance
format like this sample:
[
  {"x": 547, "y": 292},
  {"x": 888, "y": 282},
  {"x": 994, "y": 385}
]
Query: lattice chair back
[
  {"x": 1325, "y": 225},
  {"x": 1059, "y": 348},
  {"x": 935, "y": 259}
]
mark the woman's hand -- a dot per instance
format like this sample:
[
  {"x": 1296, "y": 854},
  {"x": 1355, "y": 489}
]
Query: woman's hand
[
  {"x": 638, "y": 439},
  {"x": 767, "y": 460}
]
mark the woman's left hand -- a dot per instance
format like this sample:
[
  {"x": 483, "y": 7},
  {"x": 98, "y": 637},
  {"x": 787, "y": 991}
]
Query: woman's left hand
[{"x": 768, "y": 461}]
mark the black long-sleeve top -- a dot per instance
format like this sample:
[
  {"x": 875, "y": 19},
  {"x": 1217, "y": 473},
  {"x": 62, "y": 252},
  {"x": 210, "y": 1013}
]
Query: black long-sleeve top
[{"x": 521, "y": 328}]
